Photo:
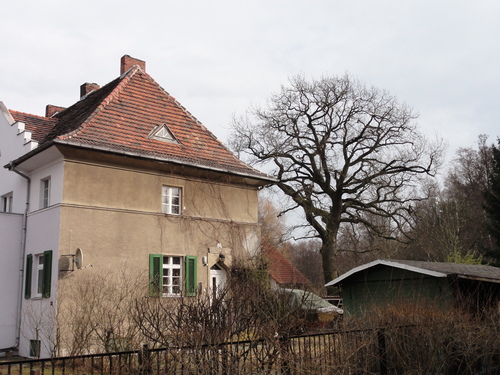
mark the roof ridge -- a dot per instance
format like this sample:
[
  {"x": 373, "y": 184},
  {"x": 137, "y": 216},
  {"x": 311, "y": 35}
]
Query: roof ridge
[
  {"x": 124, "y": 79},
  {"x": 30, "y": 114}
]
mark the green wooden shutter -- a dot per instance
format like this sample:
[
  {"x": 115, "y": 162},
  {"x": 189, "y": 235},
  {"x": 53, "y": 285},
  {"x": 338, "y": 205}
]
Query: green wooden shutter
[
  {"x": 155, "y": 274},
  {"x": 47, "y": 273},
  {"x": 190, "y": 268},
  {"x": 28, "y": 272}
]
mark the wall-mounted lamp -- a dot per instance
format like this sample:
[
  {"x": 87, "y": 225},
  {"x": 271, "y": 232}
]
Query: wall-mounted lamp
[
  {"x": 222, "y": 258},
  {"x": 204, "y": 261}
]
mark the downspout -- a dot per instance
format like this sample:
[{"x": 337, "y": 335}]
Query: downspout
[{"x": 12, "y": 168}]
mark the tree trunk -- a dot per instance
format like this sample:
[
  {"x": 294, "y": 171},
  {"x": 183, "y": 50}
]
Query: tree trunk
[{"x": 328, "y": 252}]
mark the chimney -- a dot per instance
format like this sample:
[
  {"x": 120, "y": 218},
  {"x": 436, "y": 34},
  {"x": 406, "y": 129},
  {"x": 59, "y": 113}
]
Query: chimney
[
  {"x": 51, "y": 110},
  {"x": 127, "y": 62},
  {"x": 87, "y": 88}
]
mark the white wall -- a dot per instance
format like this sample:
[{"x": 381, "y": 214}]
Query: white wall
[
  {"x": 10, "y": 255},
  {"x": 43, "y": 234},
  {"x": 54, "y": 170}
]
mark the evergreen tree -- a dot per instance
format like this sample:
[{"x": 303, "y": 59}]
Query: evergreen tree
[{"x": 492, "y": 207}]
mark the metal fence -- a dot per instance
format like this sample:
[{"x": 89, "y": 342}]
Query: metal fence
[{"x": 347, "y": 352}]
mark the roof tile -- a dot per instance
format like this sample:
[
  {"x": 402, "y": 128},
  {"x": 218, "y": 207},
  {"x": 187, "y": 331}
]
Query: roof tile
[
  {"x": 39, "y": 126},
  {"x": 120, "y": 116},
  {"x": 281, "y": 270}
]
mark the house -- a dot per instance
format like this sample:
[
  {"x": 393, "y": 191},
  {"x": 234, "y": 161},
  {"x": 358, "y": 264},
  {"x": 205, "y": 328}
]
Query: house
[
  {"x": 427, "y": 284},
  {"x": 282, "y": 273},
  {"x": 124, "y": 181}
]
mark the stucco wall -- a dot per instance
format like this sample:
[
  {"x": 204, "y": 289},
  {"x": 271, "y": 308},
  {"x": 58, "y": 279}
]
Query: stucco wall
[
  {"x": 10, "y": 265},
  {"x": 39, "y": 313},
  {"x": 114, "y": 215},
  {"x": 140, "y": 190},
  {"x": 53, "y": 170}
]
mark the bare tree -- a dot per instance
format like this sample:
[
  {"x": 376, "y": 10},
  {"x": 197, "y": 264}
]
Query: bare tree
[
  {"x": 452, "y": 224},
  {"x": 307, "y": 258},
  {"x": 272, "y": 226},
  {"x": 343, "y": 153}
]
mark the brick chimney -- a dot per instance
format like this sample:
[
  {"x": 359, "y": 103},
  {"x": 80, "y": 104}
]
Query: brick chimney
[
  {"x": 51, "y": 110},
  {"x": 87, "y": 88},
  {"x": 127, "y": 62}
]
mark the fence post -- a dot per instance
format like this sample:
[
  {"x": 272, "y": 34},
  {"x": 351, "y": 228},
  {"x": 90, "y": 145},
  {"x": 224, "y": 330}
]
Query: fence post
[
  {"x": 145, "y": 365},
  {"x": 284, "y": 353},
  {"x": 382, "y": 351}
]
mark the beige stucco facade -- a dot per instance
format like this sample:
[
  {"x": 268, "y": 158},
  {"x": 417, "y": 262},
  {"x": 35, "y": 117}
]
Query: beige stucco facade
[{"x": 111, "y": 210}]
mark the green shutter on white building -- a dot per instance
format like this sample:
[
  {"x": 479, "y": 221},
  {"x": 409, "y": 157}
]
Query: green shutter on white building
[
  {"x": 47, "y": 273},
  {"x": 28, "y": 272}
]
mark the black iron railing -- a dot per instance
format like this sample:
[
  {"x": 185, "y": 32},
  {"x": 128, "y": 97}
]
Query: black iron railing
[{"x": 374, "y": 351}]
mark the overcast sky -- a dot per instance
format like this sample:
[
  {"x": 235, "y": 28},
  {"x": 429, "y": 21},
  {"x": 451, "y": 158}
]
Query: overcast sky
[{"x": 219, "y": 57}]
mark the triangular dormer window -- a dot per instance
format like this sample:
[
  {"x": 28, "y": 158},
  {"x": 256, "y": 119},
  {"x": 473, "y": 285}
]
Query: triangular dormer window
[{"x": 163, "y": 133}]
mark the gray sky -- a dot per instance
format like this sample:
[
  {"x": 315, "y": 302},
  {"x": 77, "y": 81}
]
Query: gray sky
[{"x": 219, "y": 57}]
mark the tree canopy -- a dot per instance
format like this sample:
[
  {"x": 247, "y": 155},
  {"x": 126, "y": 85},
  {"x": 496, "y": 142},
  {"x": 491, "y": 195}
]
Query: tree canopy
[
  {"x": 344, "y": 153},
  {"x": 492, "y": 206}
]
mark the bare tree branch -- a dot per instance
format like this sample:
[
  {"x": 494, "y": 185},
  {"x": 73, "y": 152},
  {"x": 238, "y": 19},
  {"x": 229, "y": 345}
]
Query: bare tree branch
[{"x": 342, "y": 152}]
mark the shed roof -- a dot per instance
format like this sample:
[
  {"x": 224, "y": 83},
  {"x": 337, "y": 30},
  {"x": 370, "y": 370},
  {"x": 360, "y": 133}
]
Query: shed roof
[{"x": 435, "y": 269}]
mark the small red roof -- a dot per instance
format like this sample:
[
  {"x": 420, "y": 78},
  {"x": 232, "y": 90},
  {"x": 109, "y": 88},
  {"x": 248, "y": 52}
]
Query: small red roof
[
  {"x": 280, "y": 269},
  {"x": 121, "y": 116}
]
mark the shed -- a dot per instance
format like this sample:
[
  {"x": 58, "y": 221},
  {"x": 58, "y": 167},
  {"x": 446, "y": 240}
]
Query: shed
[{"x": 436, "y": 284}]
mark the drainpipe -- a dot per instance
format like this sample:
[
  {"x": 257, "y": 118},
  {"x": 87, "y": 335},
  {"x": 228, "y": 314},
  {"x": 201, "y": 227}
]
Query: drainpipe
[{"x": 12, "y": 168}]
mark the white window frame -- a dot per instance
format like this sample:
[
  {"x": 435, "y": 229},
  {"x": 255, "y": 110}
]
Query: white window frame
[
  {"x": 171, "y": 200},
  {"x": 172, "y": 275},
  {"x": 7, "y": 200},
  {"x": 45, "y": 192},
  {"x": 39, "y": 258}
]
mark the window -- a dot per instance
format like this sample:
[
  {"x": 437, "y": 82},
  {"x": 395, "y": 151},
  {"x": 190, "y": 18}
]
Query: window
[
  {"x": 35, "y": 348},
  {"x": 7, "y": 202},
  {"x": 45, "y": 192},
  {"x": 171, "y": 200},
  {"x": 41, "y": 267},
  {"x": 163, "y": 133},
  {"x": 39, "y": 275},
  {"x": 171, "y": 282},
  {"x": 172, "y": 276}
]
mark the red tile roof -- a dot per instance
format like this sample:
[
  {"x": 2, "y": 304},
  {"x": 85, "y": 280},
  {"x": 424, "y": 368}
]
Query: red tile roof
[
  {"x": 121, "y": 115},
  {"x": 38, "y": 126},
  {"x": 281, "y": 270}
]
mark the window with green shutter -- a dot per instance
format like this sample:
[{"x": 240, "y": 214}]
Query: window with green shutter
[
  {"x": 28, "y": 272},
  {"x": 170, "y": 275}
]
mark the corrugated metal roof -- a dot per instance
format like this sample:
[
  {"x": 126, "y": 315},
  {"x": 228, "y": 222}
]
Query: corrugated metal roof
[{"x": 436, "y": 269}]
